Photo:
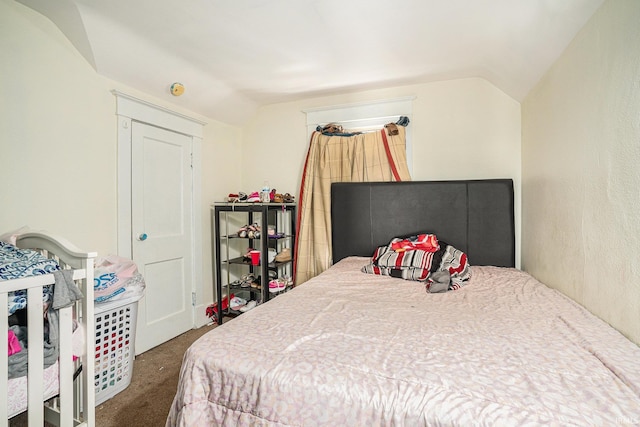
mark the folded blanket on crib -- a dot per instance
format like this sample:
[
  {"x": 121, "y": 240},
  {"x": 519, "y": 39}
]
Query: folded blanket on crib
[{"x": 16, "y": 263}]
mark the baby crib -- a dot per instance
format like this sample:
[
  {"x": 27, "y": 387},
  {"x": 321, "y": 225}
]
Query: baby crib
[{"x": 63, "y": 401}]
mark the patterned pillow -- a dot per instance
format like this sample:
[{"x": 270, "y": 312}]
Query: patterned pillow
[
  {"x": 410, "y": 258},
  {"x": 16, "y": 263}
]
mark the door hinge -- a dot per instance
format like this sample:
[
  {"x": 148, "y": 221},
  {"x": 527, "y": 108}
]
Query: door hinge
[
  {"x": 191, "y": 160},
  {"x": 193, "y": 299}
]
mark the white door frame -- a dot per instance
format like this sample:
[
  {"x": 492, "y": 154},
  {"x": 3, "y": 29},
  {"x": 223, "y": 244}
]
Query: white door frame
[{"x": 128, "y": 109}]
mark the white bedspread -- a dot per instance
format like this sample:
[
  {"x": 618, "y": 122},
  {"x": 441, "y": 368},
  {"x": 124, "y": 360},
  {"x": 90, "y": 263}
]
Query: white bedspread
[{"x": 347, "y": 348}]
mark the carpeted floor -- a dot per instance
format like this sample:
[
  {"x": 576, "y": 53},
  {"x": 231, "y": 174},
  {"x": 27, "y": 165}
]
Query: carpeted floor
[{"x": 147, "y": 400}]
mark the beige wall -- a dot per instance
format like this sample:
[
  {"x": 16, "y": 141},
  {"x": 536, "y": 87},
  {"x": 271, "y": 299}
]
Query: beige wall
[
  {"x": 221, "y": 160},
  {"x": 462, "y": 129},
  {"x": 58, "y": 140},
  {"x": 56, "y": 133},
  {"x": 58, "y": 124},
  {"x": 580, "y": 174}
]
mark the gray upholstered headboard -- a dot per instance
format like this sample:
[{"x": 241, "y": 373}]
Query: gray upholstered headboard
[{"x": 474, "y": 216}]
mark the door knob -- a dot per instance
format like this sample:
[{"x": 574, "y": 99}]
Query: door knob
[{"x": 142, "y": 236}]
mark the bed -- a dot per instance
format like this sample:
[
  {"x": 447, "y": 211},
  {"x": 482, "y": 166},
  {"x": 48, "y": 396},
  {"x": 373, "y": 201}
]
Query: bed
[
  {"x": 55, "y": 347},
  {"x": 351, "y": 349}
]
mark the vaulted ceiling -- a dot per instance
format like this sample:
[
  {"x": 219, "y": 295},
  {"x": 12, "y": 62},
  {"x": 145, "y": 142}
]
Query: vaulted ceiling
[{"x": 236, "y": 55}]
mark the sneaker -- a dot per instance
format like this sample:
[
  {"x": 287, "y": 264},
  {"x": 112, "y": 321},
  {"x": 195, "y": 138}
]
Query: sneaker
[
  {"x": 284, "y": 255},
  {"x": 242, "y": 231},
  {"x": 272, "y": 254},
  {"x": 276, "y": 286},
  {"x": 288, "y": 282},
  {"x": 251, "y": 304},
  {"x": 253, "y": 197},
  {"x": 237, "y": 303},
  {"x": 225, "y": 304},
  {"x": 253, "y": 231}
]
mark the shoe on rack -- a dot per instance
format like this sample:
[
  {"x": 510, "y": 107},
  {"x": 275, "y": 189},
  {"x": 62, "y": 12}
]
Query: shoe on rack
[
  {"x": 284, "y": 255},
  {"x": 288, "y": 282},
  {"x": 247, "y": 279},
  {"x": 247, "y": 255},
  {"x": 288, "y": 198},
  {"x": 236, "y": 283},
  {"x": 253, "y": 231},
  {"x": 253, "y": 197},
  {"x": 277, "y": 285},
  {"x": 272, "y": 254},
  {"x": 242, "y": 197},
  {"x": 255, "y": 283},
  {"x": 225, "y": 301},
  {"x": 251, "y": 304},
  {"x": 237, "y": 303},
  {"x": 225, "y": 304}
]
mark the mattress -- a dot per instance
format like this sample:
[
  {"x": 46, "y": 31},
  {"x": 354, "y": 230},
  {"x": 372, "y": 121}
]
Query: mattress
[
  {"x": 349, "y": 348},
  {"x": 18, "y": 390}
]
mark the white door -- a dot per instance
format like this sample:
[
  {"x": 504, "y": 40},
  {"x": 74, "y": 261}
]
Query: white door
[{"x": 161, "y": 209}]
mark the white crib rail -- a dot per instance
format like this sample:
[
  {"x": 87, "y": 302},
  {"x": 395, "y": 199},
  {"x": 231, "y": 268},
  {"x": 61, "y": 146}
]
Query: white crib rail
[{"x": 75, "y": 404}]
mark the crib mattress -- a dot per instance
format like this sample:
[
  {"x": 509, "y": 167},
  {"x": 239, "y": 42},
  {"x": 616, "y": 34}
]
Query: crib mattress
[{"x": 18, "y": 396}]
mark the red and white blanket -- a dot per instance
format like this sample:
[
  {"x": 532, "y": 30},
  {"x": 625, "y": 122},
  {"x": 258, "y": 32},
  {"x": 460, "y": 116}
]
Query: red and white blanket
[{"x": 419, "y": 258}]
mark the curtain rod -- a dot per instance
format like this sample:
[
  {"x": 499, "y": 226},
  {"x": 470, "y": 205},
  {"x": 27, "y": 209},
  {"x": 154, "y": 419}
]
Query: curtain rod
[{"x": 340, "y": 131}]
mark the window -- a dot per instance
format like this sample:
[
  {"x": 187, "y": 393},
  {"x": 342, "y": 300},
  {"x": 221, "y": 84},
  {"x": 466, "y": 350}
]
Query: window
[{"x": 364, "y": 115}]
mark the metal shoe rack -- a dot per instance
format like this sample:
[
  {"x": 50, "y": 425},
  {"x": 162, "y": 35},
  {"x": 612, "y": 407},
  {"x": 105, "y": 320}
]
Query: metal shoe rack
[{"x": 229, "y": 249}]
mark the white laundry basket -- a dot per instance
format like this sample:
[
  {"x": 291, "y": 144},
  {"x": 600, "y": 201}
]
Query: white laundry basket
[{"x": 114, "y": 347}]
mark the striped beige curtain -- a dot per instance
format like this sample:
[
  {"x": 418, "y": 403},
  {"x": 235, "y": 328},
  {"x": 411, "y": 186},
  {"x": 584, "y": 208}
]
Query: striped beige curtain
[{"x": 366, "y": 157}]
